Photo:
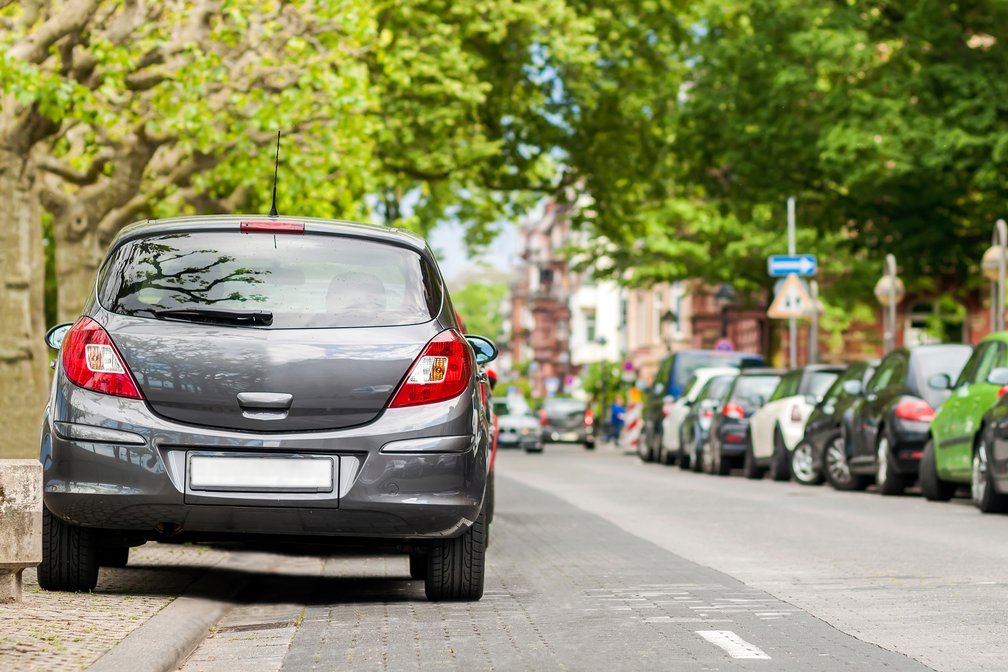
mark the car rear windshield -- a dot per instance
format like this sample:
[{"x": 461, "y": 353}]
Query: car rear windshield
[
  {"x": 305, "y": 281},
  {"x": 817, "y": 383},
  {"x": 564, "y": 406},
  {"x": 687, "y": 363},
  {"x": 753, "y": 391},
  {"x": 718, "y": 387}
]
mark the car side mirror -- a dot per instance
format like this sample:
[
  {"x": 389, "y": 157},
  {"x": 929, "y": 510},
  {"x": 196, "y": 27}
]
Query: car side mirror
[
  {"x": 998, "y": 376},
  {"x": 940, "y": 381},
  {"x": 54, "y": 337},
  {"x": 485, "y": 350},
  {"x": 852, "y": 387}
]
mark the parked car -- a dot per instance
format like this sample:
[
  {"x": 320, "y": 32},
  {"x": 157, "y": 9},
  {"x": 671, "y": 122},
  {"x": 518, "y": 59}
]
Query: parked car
[
  {"x": 517, "y": 426},
  {"x": 729, "y": 432},
  {"x": 264, "y": 379},
  {"x": 891, "y": 423},
  {"x": 566, "y": 420},
  {"x": 989, "y": 478},
  {"x": 952, "y": 454},
  {"x": 675, "y": 411},
  {"x": 674, "y": 373},
  {"x": 821, "y": 453},
  {"x": 695, "y": 427},
  {"x": 777, "y": 427}
]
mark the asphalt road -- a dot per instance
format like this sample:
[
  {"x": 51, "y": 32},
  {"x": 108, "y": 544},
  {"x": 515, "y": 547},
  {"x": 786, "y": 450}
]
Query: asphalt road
[{"x": 600, "y": 562}]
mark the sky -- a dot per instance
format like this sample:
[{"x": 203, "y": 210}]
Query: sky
[{"x": 448, "y": 242}]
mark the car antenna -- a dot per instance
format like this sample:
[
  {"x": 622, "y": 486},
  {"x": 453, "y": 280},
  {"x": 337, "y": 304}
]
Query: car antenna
[{"x": 276, "y": 167}]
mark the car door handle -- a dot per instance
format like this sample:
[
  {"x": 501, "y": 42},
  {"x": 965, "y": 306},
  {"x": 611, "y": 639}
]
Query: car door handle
[{"x": 276, "y": 401}]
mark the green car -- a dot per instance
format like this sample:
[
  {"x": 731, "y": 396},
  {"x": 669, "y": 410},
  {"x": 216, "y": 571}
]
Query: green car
[{"x": 947, "y": 461}]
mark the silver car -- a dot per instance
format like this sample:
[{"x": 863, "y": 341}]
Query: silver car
[{"x": 267, "y": 380}]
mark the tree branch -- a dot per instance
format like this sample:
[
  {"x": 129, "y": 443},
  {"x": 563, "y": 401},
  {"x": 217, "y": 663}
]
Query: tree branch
[
  {"x": 56, "y": 167},
  {"x": 69, "y": 18}
]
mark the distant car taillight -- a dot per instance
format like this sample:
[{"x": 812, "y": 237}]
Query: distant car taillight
[
  {"x": 589, "y": 419},
  {"x": 91, "y": 360},
  {"x": 734, "y": 411},
  {"x": 543, "y": 417},
  {"x": 1003, "y": 391},
  {"x": 441, "y": 372},
  {"x": 795, "y": 413},
  {"x": 917, "y": 410}
]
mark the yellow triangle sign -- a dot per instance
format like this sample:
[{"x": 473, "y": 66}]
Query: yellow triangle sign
[{"x": 791, "y": 301}]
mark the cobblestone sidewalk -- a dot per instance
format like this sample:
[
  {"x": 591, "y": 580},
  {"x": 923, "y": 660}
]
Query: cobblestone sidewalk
[{"x": 67, "y": 631}]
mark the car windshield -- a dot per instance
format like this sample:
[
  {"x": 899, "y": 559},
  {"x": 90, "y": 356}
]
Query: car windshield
[
  {"x": 511, "y": 406},
  {"x": 753, "y": 391},
  {"x": 689, "y": 362},
  {"x": 817, "y": 383},
  {"x": 301, "y": 280}
]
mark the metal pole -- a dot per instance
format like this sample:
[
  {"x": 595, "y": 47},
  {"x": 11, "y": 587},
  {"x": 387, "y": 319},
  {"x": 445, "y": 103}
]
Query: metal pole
[
  {"x": 813, "y": 337},
  {"x": 1002, "y": 242},
  {"x": 792, "y": 325},
  {"x": 891, "y": 271}
]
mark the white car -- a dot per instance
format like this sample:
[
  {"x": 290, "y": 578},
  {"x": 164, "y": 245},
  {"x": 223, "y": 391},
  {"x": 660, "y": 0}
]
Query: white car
[
  {"x": 674, "y": 411},
  {"x": 517, "y": 426},
  {"x": 779, "y": 425}
]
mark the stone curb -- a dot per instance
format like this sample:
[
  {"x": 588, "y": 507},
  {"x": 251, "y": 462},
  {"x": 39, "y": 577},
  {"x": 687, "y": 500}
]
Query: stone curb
[{"x": 167, "y": 638}]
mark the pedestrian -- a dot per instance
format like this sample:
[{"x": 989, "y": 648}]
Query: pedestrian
[{"x": 616, "y": 418}]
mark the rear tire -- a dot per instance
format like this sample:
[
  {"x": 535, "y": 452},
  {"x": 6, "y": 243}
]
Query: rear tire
[
  {"x": 535, "y": 449},
  {"x": 456, "y": 567},
  {"x": 888, "y": 482},
  {"x": 69, "y": 556},
  {"x": 934, "y": 489},
  {"x": 720, "y": 466},
  {"x": 780, "y": 465},
  {"x": 750, "y": 469},
  {"x": 803, "y": 465},
  {"x": 984, "y": 496}
]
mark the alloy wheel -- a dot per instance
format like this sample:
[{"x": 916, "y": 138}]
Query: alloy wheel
[
  {"x": 979, "y": 480},
  {"x": 801, "y": 463},
  {"x": 836, "y": 461}
]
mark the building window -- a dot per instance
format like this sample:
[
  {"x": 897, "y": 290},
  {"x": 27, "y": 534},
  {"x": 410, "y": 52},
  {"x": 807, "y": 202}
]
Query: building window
[{"x": 590, "y": 325}]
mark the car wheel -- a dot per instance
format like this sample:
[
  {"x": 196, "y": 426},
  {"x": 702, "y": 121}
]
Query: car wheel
[
  {"x": 644, "y": 449},
  {"x": 418, "y": 566},
  {"x": 684, "y": 461},
  {"x": 113, "y": 556},
  {"x": 589, "y": 445},
  {"x": 780, "y": 467},
  {"x": 886, "y": 479},
  {"x": 803, "y": 465},
  {"x": 934, "y": 489},
  {"x": 838, "y": 472},
  {"x": 721, "y": 466},
  {"x": 749, "y": 467},
  {"x": 535, "y": 449},
  {"x": 69, "y": 556},
  {"x": 985, "y": 497},
  {"x": 669, "y": 457},
  {"x": 489, "y": 499},
  {"x": 455, "y": 567}
]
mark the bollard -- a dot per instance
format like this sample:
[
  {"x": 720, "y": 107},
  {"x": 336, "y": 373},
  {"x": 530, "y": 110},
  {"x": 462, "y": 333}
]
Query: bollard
[{"x": 20, "y": 523}]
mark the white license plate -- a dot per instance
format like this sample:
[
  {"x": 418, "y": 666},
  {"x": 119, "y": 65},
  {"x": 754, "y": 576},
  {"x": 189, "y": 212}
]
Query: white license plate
[
  {"x": 569, "y": 436},
  {"x": 261, "y": 474}
]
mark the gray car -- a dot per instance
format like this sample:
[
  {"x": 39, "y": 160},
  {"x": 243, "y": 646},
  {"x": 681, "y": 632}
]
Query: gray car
[{"x": 267, "y": 380}]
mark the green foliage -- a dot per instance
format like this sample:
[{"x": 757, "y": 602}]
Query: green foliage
[{"x": 479, "y": 304}]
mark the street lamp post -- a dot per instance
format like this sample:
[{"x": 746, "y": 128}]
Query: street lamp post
[
  {"x": 889, "y": 291},
  {"x": 724, "y": 295},
  {"x": 667, "y": 318},
  {"x": 994, "y": 266}
]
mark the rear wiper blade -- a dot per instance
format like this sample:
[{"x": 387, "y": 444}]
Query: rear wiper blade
[{"x": 255, "y": 317}]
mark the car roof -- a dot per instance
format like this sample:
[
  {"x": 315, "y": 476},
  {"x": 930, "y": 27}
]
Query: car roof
[
  {"x": 762, "y": 371},
  {"x": 149, "y": 227}
]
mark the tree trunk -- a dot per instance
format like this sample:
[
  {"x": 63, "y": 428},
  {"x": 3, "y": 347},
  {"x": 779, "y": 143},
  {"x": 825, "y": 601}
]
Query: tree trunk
[
  {"x": 77, "y": 257},
  {"x": 24, "y": 374}
]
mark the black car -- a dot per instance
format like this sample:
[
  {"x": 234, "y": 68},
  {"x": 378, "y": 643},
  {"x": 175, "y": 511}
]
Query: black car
[
  {"x": 567, "y": 420},
  {"x": 890, "y": 425},
  {"x": 990, "y": 461},
  {"x": 729, "y": 432},
  {"x": 693, "y": 432},
  {"x": 824, "y": 429},
  {"x": 674, "y": 373}
]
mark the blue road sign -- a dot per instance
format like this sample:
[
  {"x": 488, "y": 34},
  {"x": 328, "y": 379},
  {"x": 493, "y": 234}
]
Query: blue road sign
[{"x": 782, "y": 265}]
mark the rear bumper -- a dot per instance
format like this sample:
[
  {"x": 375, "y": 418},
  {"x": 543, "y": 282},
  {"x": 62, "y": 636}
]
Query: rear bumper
[
  {"x": 429, "y": 488},
  {"x": 908, "y": 447},
  {"x": 556, "y": 435}
]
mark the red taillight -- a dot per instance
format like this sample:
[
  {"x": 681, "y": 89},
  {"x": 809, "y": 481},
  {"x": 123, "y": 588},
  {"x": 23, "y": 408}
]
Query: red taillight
[
  {"x": 441, "y": 372},
  {"x": 1003, "y": 391},
  {"x": 589, "y": 418},
  {"x": 795, "y": 414},
  {"x": 707, "y": 413},
  {"x": 270, "y": 226},
  {"x": 543, "y": 417},
  {"x": 734, "y": 411},
  {"x": 917, "y": 410},
  {"x": 91, "y": 360}
]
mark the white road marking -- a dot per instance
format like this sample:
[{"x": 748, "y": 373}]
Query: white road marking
[{"x": 733, "y": 645}]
